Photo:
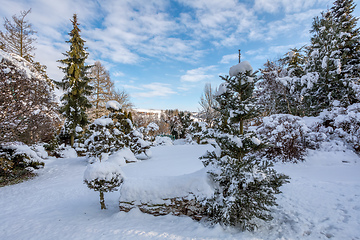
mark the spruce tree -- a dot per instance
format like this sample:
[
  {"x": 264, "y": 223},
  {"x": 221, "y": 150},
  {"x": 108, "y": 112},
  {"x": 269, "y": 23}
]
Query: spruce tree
[
  {"x": 245, "y": 185},
  {"x": 333, "y": 57},
  {"x": 75, "y": 84}
]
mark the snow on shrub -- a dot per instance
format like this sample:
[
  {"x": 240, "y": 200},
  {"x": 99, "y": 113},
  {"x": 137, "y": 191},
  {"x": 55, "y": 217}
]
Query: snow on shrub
[
  {"x": 342, "y": 123},
  {"x": 286, "y": 135},
  {"x": 103, "y": 177},
  {"x": 103, "y": 138},
  {"x": 66, "y": 151},
  {"x": 17, "y": 159},
  {"x": 163, "y": 141}
]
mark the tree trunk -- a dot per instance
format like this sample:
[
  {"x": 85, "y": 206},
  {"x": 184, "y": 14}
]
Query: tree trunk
[
  {"x": 72, "y": 140},
  {"x": 102, "y": 200},
  {"x": 242, "y": 127}
]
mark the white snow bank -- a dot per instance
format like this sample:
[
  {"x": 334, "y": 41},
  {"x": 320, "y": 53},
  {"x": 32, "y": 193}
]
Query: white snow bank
[
  {"x": 122, "y": 156},
  {"x": 154, "y": 190},
  {"x": 240, "y": 68},
  {"x": 113, "y": 105},
  {"x": 163, "y": 141}
]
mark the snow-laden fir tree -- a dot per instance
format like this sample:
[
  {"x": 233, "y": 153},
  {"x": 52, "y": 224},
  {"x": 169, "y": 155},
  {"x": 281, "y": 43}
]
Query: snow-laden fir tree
[
  {"x": 333, "y": 59},
  {"x": 280, "y": 88},
  {"x": 75, "y": 85},
  {"x": 244, "y": 185},
  {"x": 108, "y": 134}
]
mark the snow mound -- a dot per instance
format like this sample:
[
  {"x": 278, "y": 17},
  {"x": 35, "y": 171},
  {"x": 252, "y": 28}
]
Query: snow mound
[
  {"x": 156, "y": 189},
  {"x": 113, "y": 105},
  {"x": 240, "y": 68},
  {"x": 122, "y": 157},
  {"x": 163, "y": 141}
]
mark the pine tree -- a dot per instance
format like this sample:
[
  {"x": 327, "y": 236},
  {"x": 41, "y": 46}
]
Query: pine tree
[
  {"x": 17, "y": 37},
  {"x": 75, "y": 84},
  {"x": 348, "y": 38},
  {"x": 334, "y": 59},
  {"x": 245, "y": 186}
]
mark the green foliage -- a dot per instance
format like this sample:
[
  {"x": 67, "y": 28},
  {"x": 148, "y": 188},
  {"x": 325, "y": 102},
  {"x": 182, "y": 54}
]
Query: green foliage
[
  {"x": 334, "y": 57},
  {"x": 75, "y": 84},
  {"x": 245, "y": 186}
]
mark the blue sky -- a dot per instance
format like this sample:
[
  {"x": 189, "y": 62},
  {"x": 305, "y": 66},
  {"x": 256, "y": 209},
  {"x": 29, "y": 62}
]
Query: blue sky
[{"x": 164, "y": 52}]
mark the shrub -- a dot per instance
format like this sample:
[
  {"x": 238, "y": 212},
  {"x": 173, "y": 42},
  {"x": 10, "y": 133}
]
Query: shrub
[
  {"x": 103, "y": 177},
  {"x": 17, "y": 161},
  {"x": 287, "y": 137}
]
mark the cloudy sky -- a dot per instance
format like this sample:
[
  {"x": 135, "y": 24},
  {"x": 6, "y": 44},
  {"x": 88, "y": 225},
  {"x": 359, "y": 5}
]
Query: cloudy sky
[{"x": 163, "y": 52}]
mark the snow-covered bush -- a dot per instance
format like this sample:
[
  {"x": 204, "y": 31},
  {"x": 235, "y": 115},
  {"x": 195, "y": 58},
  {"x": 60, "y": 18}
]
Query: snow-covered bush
[
  {"x": 287, "y": 137},
  {"x": 27, "y": 108},
  {"x": 138, "y": 145},
  {"x": 64, "y": 151},
  {"x": 342, "y": 123},
  {"x": 17, "y": 160},
  {"x": 103, "y": 138},
  {"x": 103, "y": 177},
  {"x": 163, "y": 141},
  {"x": 245, "y": 186}
]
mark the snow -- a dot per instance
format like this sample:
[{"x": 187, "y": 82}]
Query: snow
[
  {"x": 240, "y": 68},
  {"x": 113, "y": 105},
  {"x": 102, "y": 171},
  {"x": 103, "y": 121},
  {"x": 122, "y": 156},
  {"x": 320, "y": 202}
]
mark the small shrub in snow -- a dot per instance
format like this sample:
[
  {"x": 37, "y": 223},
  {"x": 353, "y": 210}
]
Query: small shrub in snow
[
  {"x": 286, "y": 135},
  {"x": 103, "y": 177},
  {"x": 65, "y": 152},
  {"x": 163, "y": 141},
  {"x": 16, "y": 161},
  {"x": 103, "y": 138},
  {"x": 138, "y": 145}
]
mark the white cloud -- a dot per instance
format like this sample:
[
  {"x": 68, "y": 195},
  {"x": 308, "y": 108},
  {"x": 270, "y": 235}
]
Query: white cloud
[
  {"x": 197, "y": 75},
  {"x": 288, "y": 6},
  {"x": 229, "y": 58},
  {"x": 155, "y": 89}
]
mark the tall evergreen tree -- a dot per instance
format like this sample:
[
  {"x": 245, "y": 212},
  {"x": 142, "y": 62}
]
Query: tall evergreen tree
[
  {"x": 75, "y": 84},
  {"x": 245, "y": 186},
  {"x": 17, "y": 37},
  {"x": 333, "y": 58}
]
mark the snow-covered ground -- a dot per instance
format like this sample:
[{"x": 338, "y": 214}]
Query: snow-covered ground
[{"x": 322, "y": 201}]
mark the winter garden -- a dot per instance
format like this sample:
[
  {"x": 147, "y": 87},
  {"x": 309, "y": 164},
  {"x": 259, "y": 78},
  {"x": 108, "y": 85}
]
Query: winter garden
[{"x": 273, "y": 153}]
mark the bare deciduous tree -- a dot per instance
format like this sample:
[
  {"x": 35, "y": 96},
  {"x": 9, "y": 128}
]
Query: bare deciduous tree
[{"x": 17, "y": 37}]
